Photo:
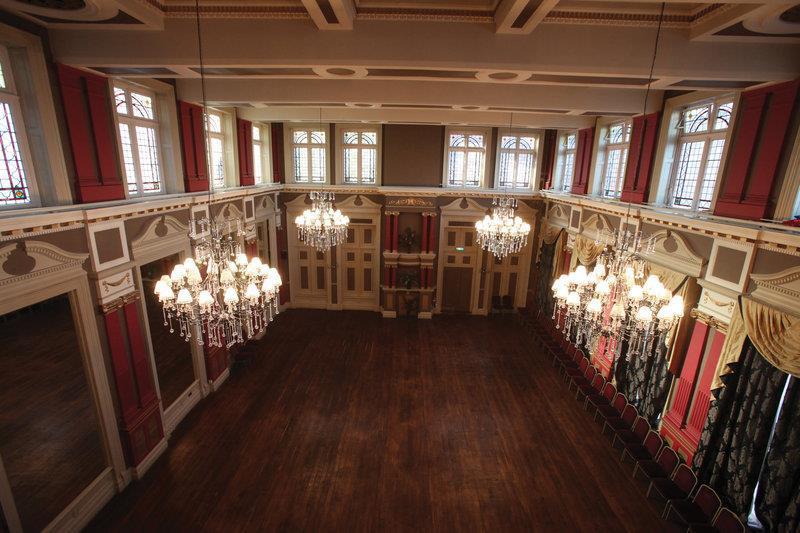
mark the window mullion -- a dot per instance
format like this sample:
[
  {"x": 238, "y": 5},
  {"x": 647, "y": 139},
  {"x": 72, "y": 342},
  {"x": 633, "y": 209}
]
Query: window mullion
[{"x": 701, "y": 172}]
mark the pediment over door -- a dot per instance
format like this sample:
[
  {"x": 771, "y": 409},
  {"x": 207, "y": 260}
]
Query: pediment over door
[
  {"x": 37, "y": 260},
  {"x": 672, "y": 251}
]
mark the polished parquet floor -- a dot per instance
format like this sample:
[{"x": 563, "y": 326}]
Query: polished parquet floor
[{"x": 343, "y": 421}]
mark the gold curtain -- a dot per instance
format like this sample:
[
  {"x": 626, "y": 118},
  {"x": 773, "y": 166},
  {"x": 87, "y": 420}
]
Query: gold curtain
[
  {"x": 670, "y": 278},
  {"x": 558, "y": 263},
  {"x": 732, "y": 348},
  {"x": 551, "y": 233},
  {"x": 775, "y": 334},
  {"x": 586, "y": 250}
]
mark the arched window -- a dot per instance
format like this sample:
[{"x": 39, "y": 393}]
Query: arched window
[
  {"x": 309, "y": 157},
  {"x": 516, "y": 160},
  {"x": 216, "y": 149},
  {"x": 617, "y": 140},
  {"x": 359, "y": 155},
  {"x": 465, "y": 158},
  {"x": 565, "y": 162},
  {"x": 702, "y": 129},
  {"x": 138, "y": 137}
]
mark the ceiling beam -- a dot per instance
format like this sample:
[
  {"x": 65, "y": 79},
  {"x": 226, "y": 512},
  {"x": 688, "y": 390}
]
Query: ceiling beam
[
  {"x": 331, "y": 14},
  {"x": 521, "y": 16}
]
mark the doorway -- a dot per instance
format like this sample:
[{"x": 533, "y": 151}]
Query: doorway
[{"x": 457, "y": 290}]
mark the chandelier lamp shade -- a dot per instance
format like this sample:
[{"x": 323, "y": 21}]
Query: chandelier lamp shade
[
  {"x": 323, "y": 226},
  {"x": 219, "y": 297},
  {"x": 502, "y": 232},
  {"x": 617, "y": 302}
]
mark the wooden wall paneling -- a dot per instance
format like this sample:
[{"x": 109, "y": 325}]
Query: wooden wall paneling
[
  {"x": 756, "y": 148},
  {"x": 549, "y": 144},
  {"x": 702, "y": 396},
  {"x": 681, "y": 401},
  {"x": 139, "y": 357},
  {"x": 583, "y": 161},
  {"x": 123, "y": 372},
  {"x": 193, "y": 147},
  {"x": 244, "y": 141},
  {"x": 644, "y": 134},
  {"x": 276, "y": 138},
  {"x": 89, "y": 121}
]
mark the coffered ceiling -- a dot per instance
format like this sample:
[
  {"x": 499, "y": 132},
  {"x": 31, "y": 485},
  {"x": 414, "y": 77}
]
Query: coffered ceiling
[{"x": 549, "y": 62}]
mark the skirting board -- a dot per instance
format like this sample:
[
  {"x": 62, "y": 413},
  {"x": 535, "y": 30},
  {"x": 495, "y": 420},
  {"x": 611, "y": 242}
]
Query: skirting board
[
  {"x": 88, "y": 503},
  {"x": 181, "y": 407},
  {"x": 388, "y": 314},
  {"x": 426, "y": 315},
  {"x": 141, "y": 469},
  {"x": 220, "y": 380}
]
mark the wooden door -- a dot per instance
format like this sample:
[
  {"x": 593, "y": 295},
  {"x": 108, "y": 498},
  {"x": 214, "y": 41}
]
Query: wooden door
[
  {"x": 311, "y": 289},
  {"x": 457, "y": 290},
  {"x": 506, "y": 274},
  {"x": 359, "y": 264}
]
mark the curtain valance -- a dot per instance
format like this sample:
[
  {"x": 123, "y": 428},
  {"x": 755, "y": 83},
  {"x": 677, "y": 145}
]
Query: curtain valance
[
  {"x": 587, "y": 250},
  {"x": 775, "y": 334}
]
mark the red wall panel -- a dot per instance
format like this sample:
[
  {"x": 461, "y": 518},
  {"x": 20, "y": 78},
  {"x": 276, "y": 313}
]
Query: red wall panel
[
  {"x": 90, "y": 124},
  {"x": 583, "y": 161},
  {"x": 758, "y": 142},
  {"x": 639, "y": 169},
  {"x": 139, "y": 357},
  {"x": 549, "y": 145},
  {"x": 244, "y": 141},
  {"x": 276, "y": 138},
  {"x": 193, "y": 147}
]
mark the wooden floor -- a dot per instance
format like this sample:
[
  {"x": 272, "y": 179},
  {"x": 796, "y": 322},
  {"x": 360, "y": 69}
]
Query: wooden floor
[{"x": 345, "y": 421}]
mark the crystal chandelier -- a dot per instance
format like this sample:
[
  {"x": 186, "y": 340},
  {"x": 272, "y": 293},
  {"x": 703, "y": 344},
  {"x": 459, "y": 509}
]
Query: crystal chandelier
[
  {"x": 616, "y": 301},
  {"x": 322, "y": 226},
  {"x": 219, "y": 296},
  {"x": 502, "y": 233}
]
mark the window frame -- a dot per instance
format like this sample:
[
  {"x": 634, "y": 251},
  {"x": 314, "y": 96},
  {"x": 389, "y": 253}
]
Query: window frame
[
  {"x": 9, "y": 95},
  {"x": 466, "y": 130},
  {"x": 265, "y": 146},
  {"x": 132, "y": 121},
  {"x": 708, "y": 137},
  {"x": 604, "y": 148},
  {"x": 562, "y": 151},
  {"x": 223, "y": 137},
  {"x": 667, "y": 148},
  {"x": 288, "y": 138},
  {"x": 340, "y": 148},
  {"x": 537, "y": 162}
]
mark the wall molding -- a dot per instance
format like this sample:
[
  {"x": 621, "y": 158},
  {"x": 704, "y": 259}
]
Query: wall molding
[{"x": 780, "y": 290}]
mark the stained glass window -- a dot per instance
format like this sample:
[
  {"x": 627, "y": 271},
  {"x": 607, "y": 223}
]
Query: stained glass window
[
  {"x": 702, "y": 129},
  {"x": 216, "y": 149},
  {"x": 14, "y": 185},
  {"x": 517, "y": 160},
  {"x": 138, "y": 136},
  {"x": 309, "y": 155},
  {"x": 466, "y": 159},
  {"x": 616, "y": 158},
  {"x": 360, "y": 156}
]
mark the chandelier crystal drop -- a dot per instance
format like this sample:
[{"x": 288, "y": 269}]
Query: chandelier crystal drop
[
  {"x": 616, "y": 301},
  {"x": 219, "y": 297},
  {"x": 322, "y": 226},
  {"x": 502, "y": 232}
]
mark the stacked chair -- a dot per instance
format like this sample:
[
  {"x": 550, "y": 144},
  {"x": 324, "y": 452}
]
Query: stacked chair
[{"x": 685, "y": 502}]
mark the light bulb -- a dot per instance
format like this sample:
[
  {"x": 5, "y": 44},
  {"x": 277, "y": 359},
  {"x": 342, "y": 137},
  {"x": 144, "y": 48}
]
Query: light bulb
[
  {"x": 189, "y": 263},
  {"x": 241, "y": 260},
  {"x": 636, "y": 293},
  {"x": 166, "y": 294},
  {"x": 178, "y": 273},
  {"x": 160, "y": 286},
  {"x": 226, "y": 277},
  {"x": 594, "y": 306},
  {"x": 644, "y": 315},
  {"x": 184, "y": 297},
  {"x": 562, "y": 292},
  {"x": 573, "y": 298},
  {"x": 204, "y": 299},
  {"x": 230, "y": 296},
  {"x": 251, "y": 293}
]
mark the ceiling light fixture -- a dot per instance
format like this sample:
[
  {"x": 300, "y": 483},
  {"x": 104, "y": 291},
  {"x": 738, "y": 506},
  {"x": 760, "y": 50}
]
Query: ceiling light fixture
[{"x": 218, "y": 297}]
